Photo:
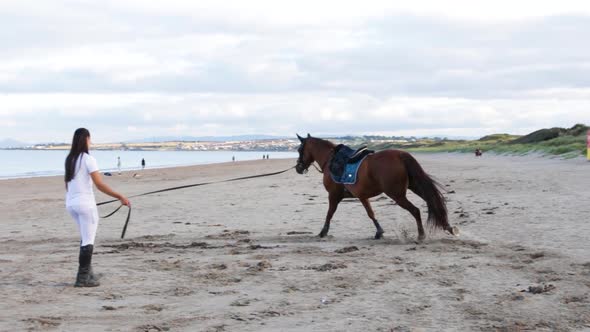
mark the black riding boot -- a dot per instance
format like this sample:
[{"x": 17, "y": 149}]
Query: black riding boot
[{"x": 85, "y": 277}]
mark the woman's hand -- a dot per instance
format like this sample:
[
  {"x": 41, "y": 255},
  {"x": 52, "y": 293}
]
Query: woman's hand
[
  {"x": 107, "y": 190},
  {"x": 125, "y": 201}
]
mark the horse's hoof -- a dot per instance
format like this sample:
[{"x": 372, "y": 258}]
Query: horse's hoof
[
  {"x": 322, "y": 235},
  {"x": 420, "y": 238},
  {"x": 378, "y": 236},
  {"x": 454, "y": 231}
]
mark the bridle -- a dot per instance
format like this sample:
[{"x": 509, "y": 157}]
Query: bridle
[
  {"x": 306, "y": 169},
  {"x": 299, "y": 164}
]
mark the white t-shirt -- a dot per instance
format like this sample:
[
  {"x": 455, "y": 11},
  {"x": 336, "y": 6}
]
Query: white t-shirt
[{"x": 80, "y": 187}]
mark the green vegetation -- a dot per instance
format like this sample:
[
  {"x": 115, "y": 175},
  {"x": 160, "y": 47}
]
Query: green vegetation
[{"x": 568, "y": 143}]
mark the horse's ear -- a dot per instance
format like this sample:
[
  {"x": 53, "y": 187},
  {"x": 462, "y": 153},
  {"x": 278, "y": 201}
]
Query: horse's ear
[
  {"x": 300, "y": 138},
  {"x": 308, "y": 135}
]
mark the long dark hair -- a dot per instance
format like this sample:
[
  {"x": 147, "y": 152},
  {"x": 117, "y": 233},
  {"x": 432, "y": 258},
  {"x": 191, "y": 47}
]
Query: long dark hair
[{"x": 79, "y": 146}]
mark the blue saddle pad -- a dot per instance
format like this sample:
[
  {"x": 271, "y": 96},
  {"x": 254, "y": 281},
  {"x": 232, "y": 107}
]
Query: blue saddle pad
[
  {"x": 349, "y": 174},
  {"x": 345, "y": 162}
]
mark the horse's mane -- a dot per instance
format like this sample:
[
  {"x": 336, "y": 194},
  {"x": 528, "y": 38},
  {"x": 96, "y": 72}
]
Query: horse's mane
[{"x": 322, "y": 142}]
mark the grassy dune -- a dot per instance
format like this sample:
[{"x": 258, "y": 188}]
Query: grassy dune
[{"x": 568, "y": 143}]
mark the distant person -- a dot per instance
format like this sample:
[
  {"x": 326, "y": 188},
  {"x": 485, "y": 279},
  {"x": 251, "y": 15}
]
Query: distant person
[
  {"x": 478, "y": 152},
  {"x": 81, "y": 171},
  {"x": 119, "y": 164},
  {"x": 267, "y": 157},
  {"x": 233, "y": 158},
  {"x": 142, "y": 163}
]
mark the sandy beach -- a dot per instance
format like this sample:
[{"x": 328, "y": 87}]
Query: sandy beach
[{"x": 244, "y": 256}]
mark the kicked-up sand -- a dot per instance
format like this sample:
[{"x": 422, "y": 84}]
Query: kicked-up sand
[{"x": 244, "y": 256}]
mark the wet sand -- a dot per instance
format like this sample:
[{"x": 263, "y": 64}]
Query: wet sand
[{"x": 244, "y": 256}]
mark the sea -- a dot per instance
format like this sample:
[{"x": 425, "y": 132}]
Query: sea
[{"x": 34, "y": 163}]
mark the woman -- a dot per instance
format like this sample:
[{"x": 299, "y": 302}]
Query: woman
[{"x": 81, "y": 172}]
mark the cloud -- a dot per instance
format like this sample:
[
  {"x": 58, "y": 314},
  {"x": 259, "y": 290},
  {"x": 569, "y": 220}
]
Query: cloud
[
  {"x": 319, "y": 113},
  {"x": 397, "y": 55},
  {"x": 127, "y": 68}
]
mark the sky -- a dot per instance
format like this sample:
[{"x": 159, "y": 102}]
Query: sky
[{"x": 137, "y": 69}]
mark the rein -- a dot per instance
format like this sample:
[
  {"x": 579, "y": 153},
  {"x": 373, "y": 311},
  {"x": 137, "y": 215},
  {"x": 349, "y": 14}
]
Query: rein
[
  {"x": 181, "y": 187},
  {"x": 319, "y": 170}
]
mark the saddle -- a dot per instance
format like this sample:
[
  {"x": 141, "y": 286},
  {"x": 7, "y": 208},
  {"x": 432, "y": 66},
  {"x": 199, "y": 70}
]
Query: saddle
[{"x": 345, "y": 162}]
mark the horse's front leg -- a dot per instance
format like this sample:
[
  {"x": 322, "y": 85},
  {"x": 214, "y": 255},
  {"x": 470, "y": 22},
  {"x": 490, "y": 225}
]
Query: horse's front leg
[{"x": 334, "y": 200}]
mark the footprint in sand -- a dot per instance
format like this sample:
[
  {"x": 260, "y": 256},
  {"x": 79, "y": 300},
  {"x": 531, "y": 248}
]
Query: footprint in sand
[
  {"x": 181, "y": 291},
  {"x": 111, "y": 296},
  {"x": 260, "y": 266},
  {"x": 291, "y": 289},
  {"x": 446, "y": 282},
  {"x": 537, "y": 255},
  {"x": 540, "y": 289},
  {"x": 576, "y": 299},
  {"x": 417, "y": 309},
  {"x": 227, "y": 234},
  {"x": 347, "y": 250},
  {"x": 240, "y": 303},
  {"x": 489, "y": 210},
  {"x": 326, "y": 267},
  {"x": 298, "y": 233},
  {"x": 152, "y": 328},
  {"x": 44, "y": 322},
  {"x": 111, "y": 308},
  {"x": 152, "y": 308},
  {"x": 219, "y": 266}
]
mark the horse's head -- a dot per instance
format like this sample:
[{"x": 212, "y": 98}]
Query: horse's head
[{"x": 305, "y": 158}]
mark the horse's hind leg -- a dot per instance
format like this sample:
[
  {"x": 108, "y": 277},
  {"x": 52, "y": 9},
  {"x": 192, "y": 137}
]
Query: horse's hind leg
[
  {"x": 371, "y": 214},
  {"x": 334, "y": 200},
  {"x": 403, "y": 202}
]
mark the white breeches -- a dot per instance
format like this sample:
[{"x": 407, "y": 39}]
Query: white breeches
[{"x": 87, "y": 219}]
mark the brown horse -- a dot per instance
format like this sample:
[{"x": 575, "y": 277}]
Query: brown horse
[{"x": 392, "y": 172}]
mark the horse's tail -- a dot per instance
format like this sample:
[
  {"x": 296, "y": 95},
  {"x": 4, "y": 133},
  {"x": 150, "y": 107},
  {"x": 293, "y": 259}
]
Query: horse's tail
[{"x": 427, "y": 188}]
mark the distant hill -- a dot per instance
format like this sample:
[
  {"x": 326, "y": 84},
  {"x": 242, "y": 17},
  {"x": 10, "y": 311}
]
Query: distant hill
[
  {"x": 10, "y": 143},
  {"x": 565, "y": 142},
  {"x": 499, "y": 137},
  {"x": 551, "y": 133}
]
